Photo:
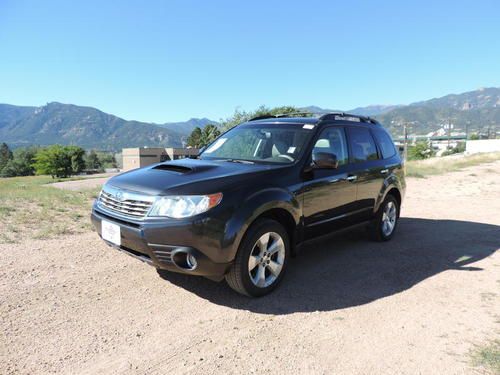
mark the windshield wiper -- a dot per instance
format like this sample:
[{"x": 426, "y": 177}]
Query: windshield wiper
[{"x": 239, "y": 161}]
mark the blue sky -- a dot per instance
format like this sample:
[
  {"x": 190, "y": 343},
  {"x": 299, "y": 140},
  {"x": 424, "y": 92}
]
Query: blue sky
[{"x": 171, "y": 60}]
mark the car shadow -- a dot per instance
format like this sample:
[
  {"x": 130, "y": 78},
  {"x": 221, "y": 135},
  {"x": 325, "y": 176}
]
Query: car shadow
[{"x": 350, "y": 270}]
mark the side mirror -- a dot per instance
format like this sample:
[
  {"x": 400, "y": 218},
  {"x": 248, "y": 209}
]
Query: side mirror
[{"x": 324, "y": 160}]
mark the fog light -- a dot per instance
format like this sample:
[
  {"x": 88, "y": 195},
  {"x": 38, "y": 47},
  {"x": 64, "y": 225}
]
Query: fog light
[{"x": 191, "y": 261}]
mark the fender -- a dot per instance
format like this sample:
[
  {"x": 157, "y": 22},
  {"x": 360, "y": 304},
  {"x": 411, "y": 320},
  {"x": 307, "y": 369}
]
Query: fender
[
  {"x": 246, "y": 214},
  {"x": 391, "y": 181}
]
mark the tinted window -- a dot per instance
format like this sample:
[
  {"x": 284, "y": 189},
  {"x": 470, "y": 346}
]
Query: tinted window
[
  {"x": 362, "y": 144},
  {"x": 385, "y": 143},
  {"x": 332, "y": 140}
]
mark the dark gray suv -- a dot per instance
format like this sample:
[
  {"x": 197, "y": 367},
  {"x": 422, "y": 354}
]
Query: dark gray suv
[{"x": 242, "y": 208}]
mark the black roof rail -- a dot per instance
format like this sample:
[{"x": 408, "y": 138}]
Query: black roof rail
[
  {"x": 333, "y": 116},
  {"x": 281, "y": 115}
]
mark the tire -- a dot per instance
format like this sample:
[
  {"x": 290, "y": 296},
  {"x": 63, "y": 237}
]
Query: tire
[
  {"x": 260, "y": 275},
  {"x": 379, "y": 229}
]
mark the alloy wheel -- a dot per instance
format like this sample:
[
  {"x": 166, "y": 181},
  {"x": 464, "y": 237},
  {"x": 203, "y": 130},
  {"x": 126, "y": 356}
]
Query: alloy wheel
[
  {"x": 266, "y": 259},
  {"x": 389, "y": 217}
]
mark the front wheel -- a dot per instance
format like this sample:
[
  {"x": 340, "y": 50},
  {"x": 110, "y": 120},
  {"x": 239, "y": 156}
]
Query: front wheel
[
  {"x": 385, "y": 222},
  {"x": 261, "y": 259}
]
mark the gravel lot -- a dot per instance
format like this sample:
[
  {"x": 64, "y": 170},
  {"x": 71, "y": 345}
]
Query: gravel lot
[{"x": 418, "y": 304}]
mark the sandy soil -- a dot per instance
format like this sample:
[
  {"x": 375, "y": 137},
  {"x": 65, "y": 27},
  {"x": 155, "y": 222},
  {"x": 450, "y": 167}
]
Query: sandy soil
[{"x": 418, "y": 304}]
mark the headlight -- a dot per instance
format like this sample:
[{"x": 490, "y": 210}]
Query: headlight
[{"x": 182, "y": 206}]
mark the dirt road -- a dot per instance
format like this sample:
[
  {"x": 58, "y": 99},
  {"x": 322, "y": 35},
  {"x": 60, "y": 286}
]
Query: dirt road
[
  {"x": 418, "y": 304},
  {"x": 90, "y": 182}
]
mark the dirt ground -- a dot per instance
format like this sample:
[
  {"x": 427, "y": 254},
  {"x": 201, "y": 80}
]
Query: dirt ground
[{"x": 416, "y": 305}]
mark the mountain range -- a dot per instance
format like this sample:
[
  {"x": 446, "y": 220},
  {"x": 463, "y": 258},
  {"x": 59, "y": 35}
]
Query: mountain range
[
  {"x": 90, "y": 128},
  {"x": 87, "y": 127}
]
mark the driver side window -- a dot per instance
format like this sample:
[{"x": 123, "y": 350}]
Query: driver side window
[{"x": 333, "y": 141}]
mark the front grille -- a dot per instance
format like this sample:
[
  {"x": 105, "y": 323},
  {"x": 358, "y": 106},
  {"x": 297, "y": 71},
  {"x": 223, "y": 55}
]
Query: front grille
[{"x": 131, "y": 207}]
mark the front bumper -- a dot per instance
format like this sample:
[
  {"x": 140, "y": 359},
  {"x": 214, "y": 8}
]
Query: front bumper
[{"x": 157, "y": 243}]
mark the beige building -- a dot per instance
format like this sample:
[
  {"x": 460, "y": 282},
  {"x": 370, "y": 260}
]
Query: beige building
[{"x": 142, "y": 156}]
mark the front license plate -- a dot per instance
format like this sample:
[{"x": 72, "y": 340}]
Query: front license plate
[{"x": 111, "y": 232}]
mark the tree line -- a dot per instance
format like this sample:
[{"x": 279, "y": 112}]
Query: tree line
[
  {"x": 201, "y": 137},
  {"x": 56, "y": 161}
]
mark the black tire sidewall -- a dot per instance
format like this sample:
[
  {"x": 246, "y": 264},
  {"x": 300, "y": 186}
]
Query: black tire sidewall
[{"x": 246, "y": 247}]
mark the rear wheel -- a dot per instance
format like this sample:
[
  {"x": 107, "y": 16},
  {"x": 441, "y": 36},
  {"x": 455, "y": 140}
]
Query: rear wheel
[
  {"x": 386, "y": 220},
  {"x": 261, "y": 259}
]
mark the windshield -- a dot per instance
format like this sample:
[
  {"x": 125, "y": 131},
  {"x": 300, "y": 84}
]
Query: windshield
[{"x": 273, "y": 143}]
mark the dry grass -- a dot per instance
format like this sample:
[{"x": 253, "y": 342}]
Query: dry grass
[
  {"x": 488, "y": 357},
  {"x": 29, "y": 209},
  {"x": 435, "y": 166}
]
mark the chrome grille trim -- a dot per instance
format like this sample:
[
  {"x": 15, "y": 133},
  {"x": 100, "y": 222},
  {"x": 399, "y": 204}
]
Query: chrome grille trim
[{"x": 125, "y": 202}]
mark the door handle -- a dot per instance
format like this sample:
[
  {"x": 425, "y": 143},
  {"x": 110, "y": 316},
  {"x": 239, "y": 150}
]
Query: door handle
[
  {"x": 351, "y": 178},
  {"x": 384, "y": 171}
]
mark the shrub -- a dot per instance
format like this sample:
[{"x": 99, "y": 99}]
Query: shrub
[
  {"x": 21, "y": 163},
  {"x": 60, "y": 161},
  {"x": 421, "y": 150}
]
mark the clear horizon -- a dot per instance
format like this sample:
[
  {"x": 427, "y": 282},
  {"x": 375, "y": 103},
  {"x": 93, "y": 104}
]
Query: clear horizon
[{"x": 171, "y": 62}]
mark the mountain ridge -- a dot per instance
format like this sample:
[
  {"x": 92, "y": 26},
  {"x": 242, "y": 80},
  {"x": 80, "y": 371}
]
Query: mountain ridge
[
  {"x": 86, "y": 126},
  {"x": 91, "y": 128}
]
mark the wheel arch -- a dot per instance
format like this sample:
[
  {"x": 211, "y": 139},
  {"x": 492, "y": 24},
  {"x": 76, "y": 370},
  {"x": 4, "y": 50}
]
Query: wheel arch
[
  {"x": 391, "y": 186},
  {"x": 275, "y": 204}
]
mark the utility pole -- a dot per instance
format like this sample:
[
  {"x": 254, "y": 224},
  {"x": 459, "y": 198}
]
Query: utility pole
[
  {"x": 405, "y": 149},
  {"x": 449, "y": 131}
]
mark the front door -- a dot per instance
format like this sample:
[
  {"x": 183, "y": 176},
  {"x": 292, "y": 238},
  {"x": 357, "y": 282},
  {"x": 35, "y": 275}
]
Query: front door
[{"x": 329, "y": 196}]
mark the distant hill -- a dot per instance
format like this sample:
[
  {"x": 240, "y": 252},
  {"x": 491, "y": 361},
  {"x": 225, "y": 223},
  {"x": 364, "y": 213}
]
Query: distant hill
[
  {"x": 373, "y": 110},
  {"x": 476, "y": 110},
  {"x": 477, "y": 99},
  {"x": 188, "y": 126},
  {"x": 316, "y": 109},
  {"x": 84, "y": 126}
]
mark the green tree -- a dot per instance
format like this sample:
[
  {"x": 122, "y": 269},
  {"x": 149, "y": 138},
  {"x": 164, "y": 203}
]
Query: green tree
[
  {"x": 201, "y": 137},
  {"x": 21, "y": 163},
  {"x": 194, "y": 139},
  {"x": 5, "y": 155},
  {"x": 60, "y": 161},
  {"x": 474, "y": 137},
  {"x": 77, "y": 155},
  {"x": 240, "y": 116},
  {"x": 92, "y": 161},
  {"x": 107, "y": 159},
  {"x": 209, "y": 134},
  {"x": 421, "y": 150}
]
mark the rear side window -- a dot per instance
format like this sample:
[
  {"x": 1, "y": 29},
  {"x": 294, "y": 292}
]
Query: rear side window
[
  {"x": 385, "y": 143},
  {"x": 362, "y": 144}
]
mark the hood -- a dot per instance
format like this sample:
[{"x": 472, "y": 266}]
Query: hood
[{"x": 188, "y": 176}]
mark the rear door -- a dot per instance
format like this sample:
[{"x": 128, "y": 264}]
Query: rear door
[{"x": 366, "y": 170}]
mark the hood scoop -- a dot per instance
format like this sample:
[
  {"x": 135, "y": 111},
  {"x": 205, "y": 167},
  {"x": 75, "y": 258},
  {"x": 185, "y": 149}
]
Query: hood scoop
[{"x": 173, "y": 168}]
